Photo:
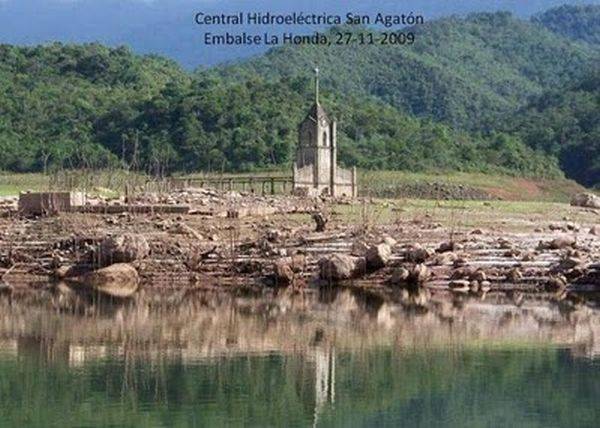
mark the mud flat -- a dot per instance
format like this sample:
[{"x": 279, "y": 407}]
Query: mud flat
[{"x": 407, "y": 251}]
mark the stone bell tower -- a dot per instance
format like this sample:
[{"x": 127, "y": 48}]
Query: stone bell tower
[
  {"x": 315, "y": 169},
  {"x": 317, "y": 141}
]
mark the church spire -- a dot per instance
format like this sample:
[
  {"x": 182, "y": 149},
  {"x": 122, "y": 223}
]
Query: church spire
[{"x": 317, "y": 85}]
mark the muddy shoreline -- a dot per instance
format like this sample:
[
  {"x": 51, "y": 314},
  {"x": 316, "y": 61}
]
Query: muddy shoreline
[{"x": 478, "y": 250}]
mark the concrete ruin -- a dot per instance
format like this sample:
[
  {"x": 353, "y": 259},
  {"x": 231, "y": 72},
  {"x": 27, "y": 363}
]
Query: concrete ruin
[
  {"x": 315, "y": 170},
  {"x": 44, "y": 203}
]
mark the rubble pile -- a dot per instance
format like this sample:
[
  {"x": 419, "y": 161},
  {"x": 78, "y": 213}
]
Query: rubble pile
[
  {"x": 265, "y": 247},
  {"x": 211, "y": 202},
  {"x": 587, "y": 200}
]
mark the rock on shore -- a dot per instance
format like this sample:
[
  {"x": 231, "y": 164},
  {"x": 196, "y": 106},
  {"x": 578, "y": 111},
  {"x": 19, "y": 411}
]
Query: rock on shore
[
  {"x": 125, "y": 248},
  {"x": 118, "y": 280},
  {"x": 378, "y": 256},
  {"x": 342, "y": 266},
  {"x": 588, "y": 200},
  {"x": 286, "y": 268}
]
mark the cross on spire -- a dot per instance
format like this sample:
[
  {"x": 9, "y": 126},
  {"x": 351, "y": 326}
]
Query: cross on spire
[{"x": 317, "y": 85}]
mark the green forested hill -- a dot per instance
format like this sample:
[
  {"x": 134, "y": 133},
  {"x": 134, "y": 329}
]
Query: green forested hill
[
  {"x": 51, "y": 97},
  {"x": 465, "y": 72},
  {"x": 439, "y": 105},
  {"x": 578, "y": 22},
  {"x": 566, "y": 123},
  {"x": 90, "y": 106}
]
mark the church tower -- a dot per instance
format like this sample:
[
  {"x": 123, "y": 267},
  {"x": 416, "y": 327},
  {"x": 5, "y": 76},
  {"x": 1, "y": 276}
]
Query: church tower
[
  {"x": 317, "y": 146},
  {"x": 315, "y": 170}
]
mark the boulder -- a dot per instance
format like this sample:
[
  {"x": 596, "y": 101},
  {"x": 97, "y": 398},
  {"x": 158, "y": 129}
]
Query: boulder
[
  {"x": 341, "y": 266},
  {"x": 446, "y": 247},
  {"x": 284, "y": 274},
  {"x": 286, "y": 268},
  {"x": 68, "y": 271},
  {"x": 359, "y": 248},
  {"x": 478, "y": 275},
  {"x": 410, "y": 278},
  {"x": 460, "y": 286},
  {"x": 474, "y": 287},
  {"x": 463, "y": 273},
  {"x": 118, "y": 280},
  {"x": 419, "y": 274},
  {"x": 574, "y": 227},
  {"x": 273, "y": 235},
  {"x": 184, "y": 229},
  {"x": 378, "y": 256},
  {"x": 562, "y": 242},
  {"x": 555, "y": 283},
  {"x": 569, "y": 262},
  {"x": 485, "y": 286},
  {"x": 417, "y": 254},
  {"x": 504, "y": 244},
  {"x": 62, "y": 272},
  {"x": 390, "y": 241},
  {"x": 588, "y": 200},
  {"x": 558, "y": 243},
  {"x": 399, "y": 276},
  {"x": 514, "y": 275},
  {"x": 125, "y": 248},
  {"x": 444, "y": 259},
  {"x": 555, "y": 226},
  {"x": 595, "y": 230}
]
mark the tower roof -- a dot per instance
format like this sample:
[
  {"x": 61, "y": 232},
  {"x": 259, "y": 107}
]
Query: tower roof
[{"x": 317, "y": 113}]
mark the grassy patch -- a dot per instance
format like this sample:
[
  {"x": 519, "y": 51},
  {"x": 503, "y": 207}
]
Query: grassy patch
[
  {"x": 518, "y": 216},
  {"x": 393, "y": 183},
  {"x": 498, "y": 186},
  {"x": 371, "y": 183},
  {"x": 103, "y": 182},
  {"x": 11, "y": 184}
]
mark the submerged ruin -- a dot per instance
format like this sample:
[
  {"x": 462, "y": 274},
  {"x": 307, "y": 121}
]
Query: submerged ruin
[{"x": 316, "y": 171}]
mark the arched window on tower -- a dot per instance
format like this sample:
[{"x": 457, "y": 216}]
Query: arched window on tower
[{"x": 325, "y": 141}]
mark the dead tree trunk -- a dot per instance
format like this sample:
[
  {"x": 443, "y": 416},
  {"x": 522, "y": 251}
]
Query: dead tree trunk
[{"x": 320, "y": 220}]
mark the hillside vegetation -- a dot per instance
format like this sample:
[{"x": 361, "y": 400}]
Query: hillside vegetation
[
  {"x": 465, "y": 72},
  {"x": 91, "y": 106},
  {"x": 566, "y": 123},
  {"x": 578, "y": 22},
  {"x": 477, "y": 94}
]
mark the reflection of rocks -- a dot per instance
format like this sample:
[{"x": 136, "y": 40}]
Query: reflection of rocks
[
  {"x": 79, "y": 355},
  {"x": 120, "y": 280},
  {"x": 43, "y": 349},
  {"x": 368, "y": 301},
  {"x": 210, "y": 323},
  {"x": 329, "y": 294},
  {"x": 9, "y": 347}
]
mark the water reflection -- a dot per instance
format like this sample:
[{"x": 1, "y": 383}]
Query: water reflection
[{"x": 338, "y": 357}]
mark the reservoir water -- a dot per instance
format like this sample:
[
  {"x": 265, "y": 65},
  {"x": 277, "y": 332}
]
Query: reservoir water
[{"x": 347, "y": 359}]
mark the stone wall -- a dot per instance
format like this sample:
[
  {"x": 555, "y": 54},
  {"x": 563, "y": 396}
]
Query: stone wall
[
  {"x": 345, "y": 182},
  {"x": 304, "y": 176},
  {"x": 44, "y": 203}
]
